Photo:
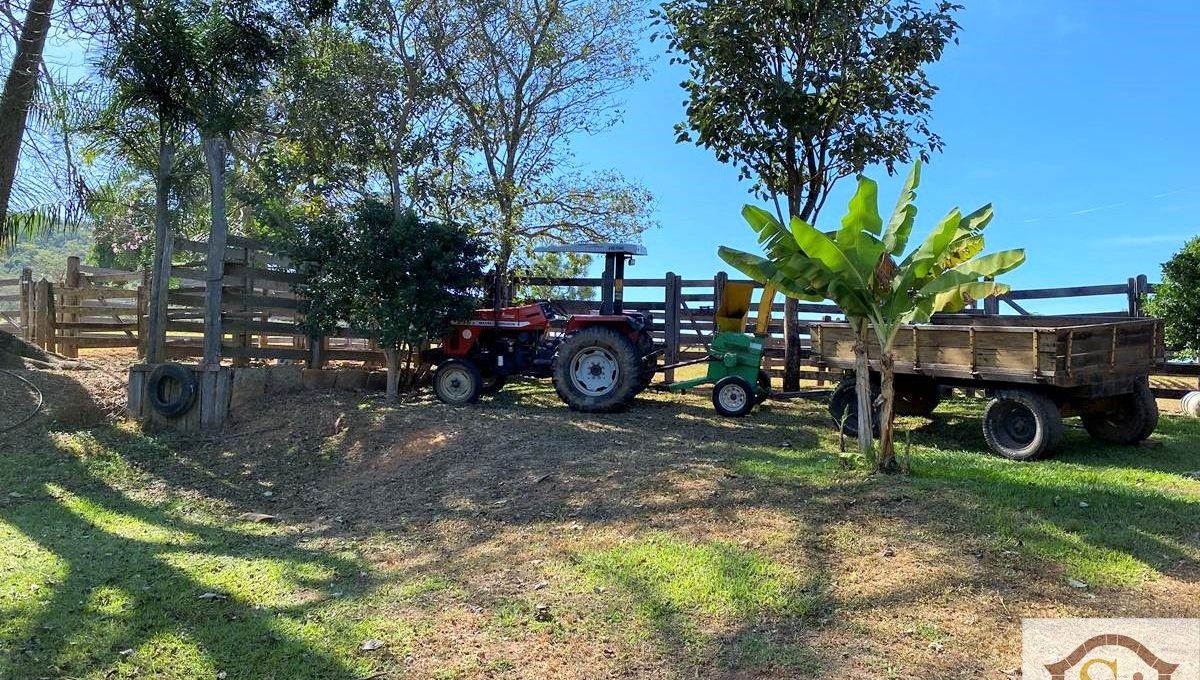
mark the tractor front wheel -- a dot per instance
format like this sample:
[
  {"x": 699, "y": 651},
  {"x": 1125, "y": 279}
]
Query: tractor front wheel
[
  {"x": 457, "y": 382},
  {"x": 597, "y": 370}
]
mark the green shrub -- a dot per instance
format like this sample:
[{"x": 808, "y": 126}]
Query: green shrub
[{"x": 1177, "y": 300}]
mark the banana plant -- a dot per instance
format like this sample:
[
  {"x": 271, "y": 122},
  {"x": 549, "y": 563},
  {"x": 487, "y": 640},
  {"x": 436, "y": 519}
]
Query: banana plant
[{"x": 863, "y": 268}]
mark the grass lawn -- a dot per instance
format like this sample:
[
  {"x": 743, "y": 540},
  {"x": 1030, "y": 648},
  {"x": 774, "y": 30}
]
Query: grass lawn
[{"x": 518, "y": 539}]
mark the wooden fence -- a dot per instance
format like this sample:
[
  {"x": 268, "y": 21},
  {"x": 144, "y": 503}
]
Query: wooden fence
[
  {"x": 16, "y": 303},
  {"x": 259, "y": 309},
  {"x": 98, "y": 308},
  {"x": 104, "y": 308}
]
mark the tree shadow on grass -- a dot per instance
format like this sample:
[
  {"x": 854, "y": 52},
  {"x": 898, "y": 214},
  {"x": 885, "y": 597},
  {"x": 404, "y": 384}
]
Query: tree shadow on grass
[{"x": 130, "y": 575}]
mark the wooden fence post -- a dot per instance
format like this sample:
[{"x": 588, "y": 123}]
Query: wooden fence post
[
  {"x": 242, "y": 339},
  {"x": 142, "y": 305},
  {"x": 1131, "y": 297},
  {"x": 156, "y": 316},
  {"x": 44, "y": 315},
  {"x": 671, "y": 292},
  {"x": 69, "y": 300},
  {"x": 1143, "y": 289},
  {"x": 214, "y": 152},
  {"x": 719, "y": 282},
  {"x": 26, "y": 303},
  {"x": 991, "y": 303}
]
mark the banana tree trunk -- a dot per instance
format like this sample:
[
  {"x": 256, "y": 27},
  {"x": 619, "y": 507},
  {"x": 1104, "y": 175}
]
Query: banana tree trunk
[
  {"x": 19, "y": 89},
  {"x": 862, "y": 377},
  {"x": 886, "y": 459}
]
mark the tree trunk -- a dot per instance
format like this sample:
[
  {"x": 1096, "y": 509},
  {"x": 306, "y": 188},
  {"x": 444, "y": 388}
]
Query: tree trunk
[
  {"x": 214, "y": 158},
  {"x": 19, "y": 90},
  {"x": 394, "y": 184},
  {"x": 393, "y": 372},
  {"x": 157, "y": 313},
  {"x": 885, "y": 460},
  {"x": 862, "y": 376},
  {"x": 791, "y": 344},
  {"x": 791, "y": 314}
]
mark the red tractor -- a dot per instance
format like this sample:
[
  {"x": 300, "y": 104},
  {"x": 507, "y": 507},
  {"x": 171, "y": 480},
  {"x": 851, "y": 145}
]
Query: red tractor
[{"x": 599, "y": 361}]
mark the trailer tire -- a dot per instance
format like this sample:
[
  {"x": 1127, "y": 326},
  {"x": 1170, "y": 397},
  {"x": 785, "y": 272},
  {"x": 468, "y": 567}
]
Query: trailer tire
[
  {"x": 180, "y": 403},
  {"x": 1022, "y": 425},
  {"x": 917, "y": 396},
  {"x": 1128, "y": 418},
  {"x": 457, "y": 382},
  {"x": 597, "y": 370},
  {"x": 733, "y": 397},
  {"x": 843, "y": 407}
]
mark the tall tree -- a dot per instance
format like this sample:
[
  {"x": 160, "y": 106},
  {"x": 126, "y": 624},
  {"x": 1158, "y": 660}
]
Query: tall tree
[
  {"x": 19, "y": 89},
  {"x": 149, "y": 58},
  {"x": 798, "y": 94},
  {"x": 525, "y": 76}
]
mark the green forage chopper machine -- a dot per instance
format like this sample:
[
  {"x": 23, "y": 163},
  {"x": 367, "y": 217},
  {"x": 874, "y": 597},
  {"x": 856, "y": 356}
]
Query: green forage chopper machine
[{"x": 735, "y": 357}]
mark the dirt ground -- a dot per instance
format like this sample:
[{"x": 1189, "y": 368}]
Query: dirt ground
[{"x": 516, "y": 500}]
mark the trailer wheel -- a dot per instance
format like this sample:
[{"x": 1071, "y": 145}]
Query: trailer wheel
[
  {"x": 1126, "y": 419},
  {"x": 843, "y": 406},
  {"x": 733, "y": 397},
  {"x": 1022, "y": 425},
  {"x": 597, "y": 370},
  {"x": 916, "y": 396},
  {"x": 457, "y": 382}
]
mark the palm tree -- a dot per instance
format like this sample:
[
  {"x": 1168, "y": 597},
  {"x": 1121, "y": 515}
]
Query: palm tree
[
  {"x": 19, "y": 90},
  {"x": 857, "y": 268}
]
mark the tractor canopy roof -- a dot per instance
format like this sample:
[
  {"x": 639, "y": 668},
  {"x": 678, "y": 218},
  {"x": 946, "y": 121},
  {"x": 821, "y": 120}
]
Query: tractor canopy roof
[{"x": 601, "y": 248}]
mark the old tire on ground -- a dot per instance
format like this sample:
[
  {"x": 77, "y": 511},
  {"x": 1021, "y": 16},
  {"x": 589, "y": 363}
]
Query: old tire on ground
[
  {"x": 457, "y": 382},
  {"x": 156, "y": 391},
  {"x": 597, "y": 370},
  {"x": 764, "y": 387},
  {"x": 916, "y": 396},
  {"x": 733, "y": 397},
  {"x": 1128, "y": 418},
  {"x": 1022, "y": 425},
  {"x": 843, "y": 406},
  {"x": 492, "y": 384}
]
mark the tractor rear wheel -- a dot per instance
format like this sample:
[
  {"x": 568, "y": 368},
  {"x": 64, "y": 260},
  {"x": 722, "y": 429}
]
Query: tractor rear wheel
[
  {"x": 457, "y": 382},
  {"x": 597, "y": 370}
]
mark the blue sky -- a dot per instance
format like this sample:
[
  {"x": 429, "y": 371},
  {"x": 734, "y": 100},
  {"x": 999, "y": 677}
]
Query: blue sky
[{"x": 1078, "y": 120}]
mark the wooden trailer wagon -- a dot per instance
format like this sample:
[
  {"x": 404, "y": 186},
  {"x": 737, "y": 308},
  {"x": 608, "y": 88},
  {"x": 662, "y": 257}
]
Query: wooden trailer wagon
[{"x": 1034, "y": 369}]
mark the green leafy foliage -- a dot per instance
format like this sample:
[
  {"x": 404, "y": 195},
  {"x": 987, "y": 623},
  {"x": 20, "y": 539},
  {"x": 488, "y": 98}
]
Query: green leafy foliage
[
  {"x": 401, "y": 278},
  {"x": 1177, "y": 300},
  {"x": 798, "y": 94},
  {"x": 857, "y": 270}
]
